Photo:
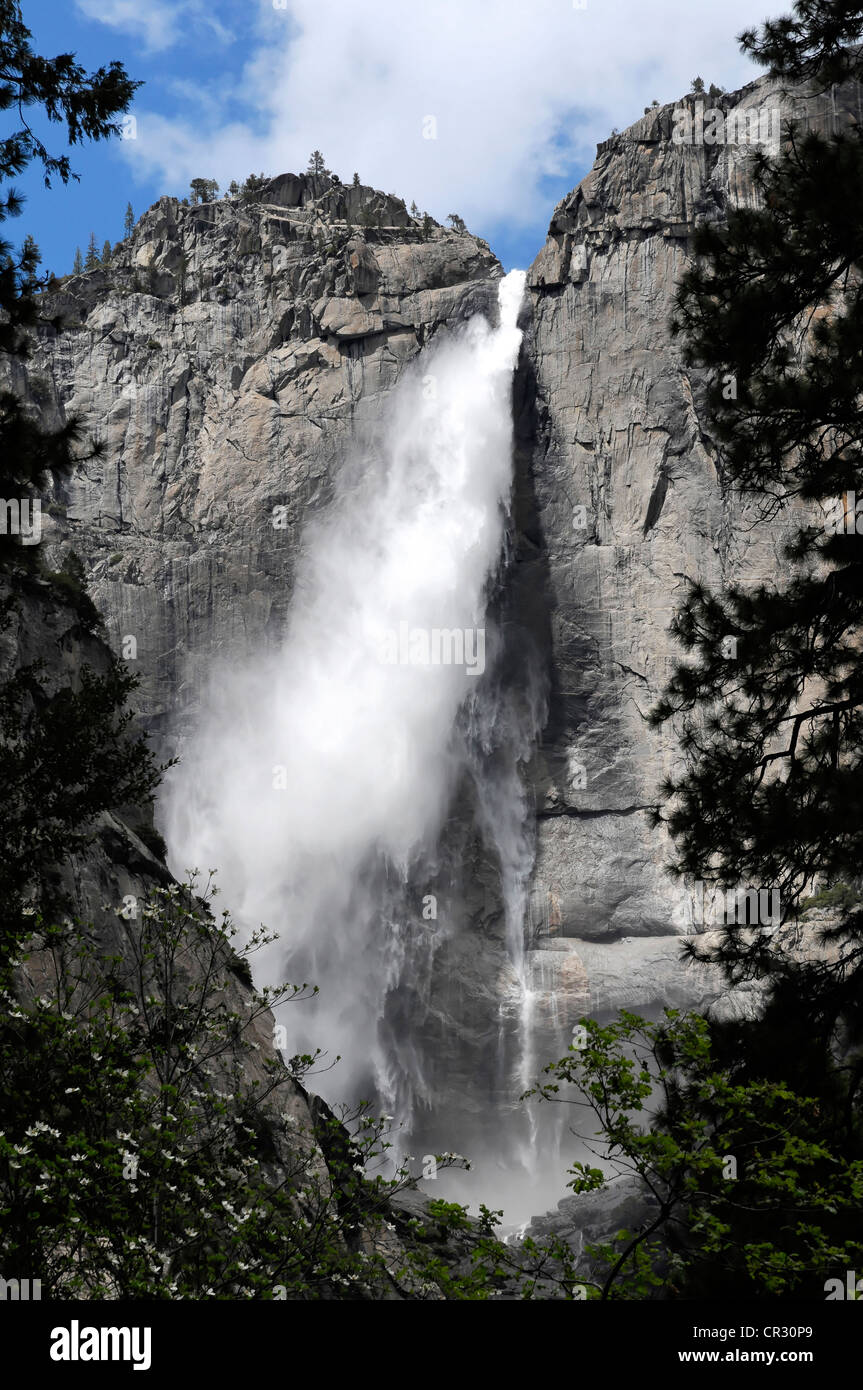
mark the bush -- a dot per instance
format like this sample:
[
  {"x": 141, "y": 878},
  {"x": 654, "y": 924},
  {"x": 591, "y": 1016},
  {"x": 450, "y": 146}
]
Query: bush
[
  {"x": 154, "y": 841},
  {"x": 841, "y": 896},
  {"x": 70, "y": 582}
]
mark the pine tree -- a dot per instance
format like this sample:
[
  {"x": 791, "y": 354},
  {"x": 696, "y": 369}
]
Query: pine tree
[
  {"x": 203, "y": 190},
  {"x": 787, "y": 429},
  {"x": 86, "y": 105},
  {"x": 252, "y": 187},
  {"x": 128, "y": 221},
  {"x": 316, "y": 164},
  {"x": 415, "y": 212},
  {"x": 106, "y": 252},
  {"x": 356, "y": 180},
  {"x": 78, "y": 263},
  {"x": 770, "y": 705},
  {"x": 91, "y": 260},
  {"x": 31, "y": 256}
]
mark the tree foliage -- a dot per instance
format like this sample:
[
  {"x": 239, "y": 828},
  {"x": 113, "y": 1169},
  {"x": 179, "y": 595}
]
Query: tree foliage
[
  {"x": 768, "y": 703},
  {"x": 750, "y": 1196},
  {"x": 252, "y": 187},
  {"x": 317, "y": 164},
  {"x": 86, "y": 105},
  {"x": 146, "y": 1149},
  {"x": 203, "y": 190}
]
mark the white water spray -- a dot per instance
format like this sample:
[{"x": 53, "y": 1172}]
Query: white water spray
[{"x": 321, "y": 775}]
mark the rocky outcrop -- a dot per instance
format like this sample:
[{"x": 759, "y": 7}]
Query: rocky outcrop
[
  {"x": 596, "y": 1219},
  {"x": 228, "y": 358}
]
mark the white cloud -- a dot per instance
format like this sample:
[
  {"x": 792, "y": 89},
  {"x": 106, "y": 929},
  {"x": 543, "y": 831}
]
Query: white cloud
[
  {"x": 517, "y": 92},
  {"x": 158, "y": 23}
]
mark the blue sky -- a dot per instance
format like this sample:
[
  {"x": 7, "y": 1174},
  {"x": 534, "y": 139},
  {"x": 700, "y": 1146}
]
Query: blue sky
[{"x": 489, "y": 108}]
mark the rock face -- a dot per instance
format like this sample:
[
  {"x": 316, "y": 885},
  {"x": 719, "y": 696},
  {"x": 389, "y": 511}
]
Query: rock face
[
  {"x": 231, "y": 355},
  {"x": 595, "y": 1218},
  {"x": 228, "y": 358},
  {"x": 621, "y": 500}
]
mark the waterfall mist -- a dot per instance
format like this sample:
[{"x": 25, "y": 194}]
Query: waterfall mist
[{"x": 323, "y": 774}]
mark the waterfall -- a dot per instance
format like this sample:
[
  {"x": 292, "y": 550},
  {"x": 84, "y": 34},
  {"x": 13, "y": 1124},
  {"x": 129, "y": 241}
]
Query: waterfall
[{"x": 322, "y": 774}]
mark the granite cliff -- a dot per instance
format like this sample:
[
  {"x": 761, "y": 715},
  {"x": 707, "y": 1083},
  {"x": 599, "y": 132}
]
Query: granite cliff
[
  {"x": 224, "y": 358},
  {"x": 622, "y": 499}
]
